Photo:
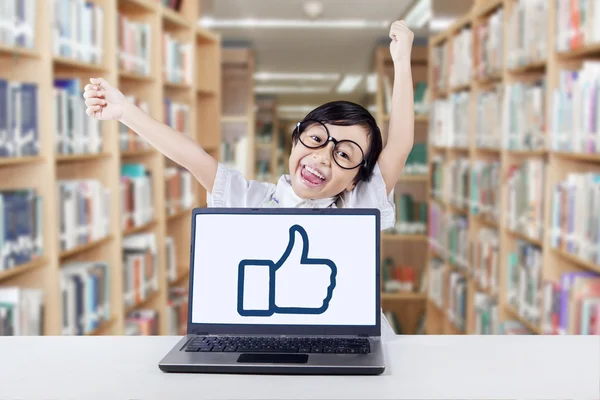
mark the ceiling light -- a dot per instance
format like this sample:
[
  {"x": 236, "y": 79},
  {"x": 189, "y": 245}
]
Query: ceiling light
[
  {"x": 372, "y": 83},
  {"x": 313, "y": 9},
  {"x": 418, "y": 16},
  {"x": 291, "y": 89},
  {"x": 273, "y": 76},
  {"x": 439, "y": 24},
  {"x": 292, "y": 23},
  {"x": 349, "y": 83}
]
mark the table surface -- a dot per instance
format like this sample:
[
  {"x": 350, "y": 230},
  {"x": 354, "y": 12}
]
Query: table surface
[{"x": 418, "y": 367}]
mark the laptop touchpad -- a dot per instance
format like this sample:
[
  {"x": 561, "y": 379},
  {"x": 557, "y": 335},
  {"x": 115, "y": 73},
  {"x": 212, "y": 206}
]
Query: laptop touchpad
[{"x": 273, "y": 358}]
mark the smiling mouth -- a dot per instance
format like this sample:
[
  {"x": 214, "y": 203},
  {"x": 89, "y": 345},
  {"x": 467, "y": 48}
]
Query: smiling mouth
[{"x": 311, "y": 177}]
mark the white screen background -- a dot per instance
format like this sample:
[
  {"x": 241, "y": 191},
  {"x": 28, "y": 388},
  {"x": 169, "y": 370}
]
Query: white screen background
[{"x": 222, "y": 241}]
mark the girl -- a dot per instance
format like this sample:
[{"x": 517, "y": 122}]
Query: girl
[{"x": 337, "y": 158}]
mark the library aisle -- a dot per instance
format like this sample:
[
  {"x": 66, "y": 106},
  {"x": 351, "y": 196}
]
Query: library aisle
[{"x": 497, "y": 210}]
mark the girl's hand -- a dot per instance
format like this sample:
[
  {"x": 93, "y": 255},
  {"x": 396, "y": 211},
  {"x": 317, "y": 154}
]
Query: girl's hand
[
  {"x": 402, "y": 40},
  {"x": 103, "y": 101}
]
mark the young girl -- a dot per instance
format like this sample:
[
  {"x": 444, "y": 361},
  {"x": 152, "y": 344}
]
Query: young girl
[{"x": 337, "y": 158}]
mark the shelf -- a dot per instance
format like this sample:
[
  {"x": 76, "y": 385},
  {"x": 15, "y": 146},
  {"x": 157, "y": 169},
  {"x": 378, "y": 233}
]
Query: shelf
[
  {"x": 522, "y": 320},
  {"x": 104, "y": 326},
  {"x": 488, "y": 150},
  {"x": 144, "y": 303},
  {"x": 413, "y": 178},
  {"x": 64, "y": 159},
  {"x": 487, "y": 8},
  {"x": 403, "y": 296},
  {"x": 486, "y": 221},
  {"x": 235, "y": 118},
  {"x": 584, "y": 157},
  {"x": 421, "y": 118},
  {"x": 134, "y": 76},
  {"x": 399, "y": 237},
  {"x": 15, "y": 51},
  {"x": 177, "y": 85},
  {"x": 457, "y": 210},
  {"x": 584, "y": 51},
  {"x": 539, "y": 66},
  {"x": 576, "y": 260},
  {"x": 206, "y": 92},
  {"x": 183, "y": 274},
  {"x": 140, "y": 228},
  {"x": 138, "y": 153},
  {"x": 5, "y": 161},
  {"x": 206, "y": 36},
  {"x": 76, "y": 64},
  {"x": 527, "y": 153},
  {"x": 521, "y": 236},
  {"x": 461, "y": 88},
  {"x": 180, "y": 214},
  {"x": 23, "y": 268},
  {"x": 137, "y": 5},
  {"x": 174, "y": 20},
  {"x": 489, "y": 81},
  {"x": 84, "y": 247}
]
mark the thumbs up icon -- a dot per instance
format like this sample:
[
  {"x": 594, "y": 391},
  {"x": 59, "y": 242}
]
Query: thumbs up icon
[{"x": 297, "y": 284}]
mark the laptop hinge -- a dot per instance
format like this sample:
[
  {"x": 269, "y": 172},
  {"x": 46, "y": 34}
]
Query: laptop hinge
[{"x": 363, "y": 335}]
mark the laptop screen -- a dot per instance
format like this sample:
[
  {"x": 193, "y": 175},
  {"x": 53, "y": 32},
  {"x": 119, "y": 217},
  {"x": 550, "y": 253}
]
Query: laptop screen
[{"x": 283, "y": 269}]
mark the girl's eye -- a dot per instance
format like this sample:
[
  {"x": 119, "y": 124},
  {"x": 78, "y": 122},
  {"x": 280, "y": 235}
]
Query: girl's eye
[
  {"x": 316, "y": 139},
  {"x": 343, "y": 155}
]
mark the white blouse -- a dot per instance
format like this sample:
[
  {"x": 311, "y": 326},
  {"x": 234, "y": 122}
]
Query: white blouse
[{"x": 231, "y": 189}]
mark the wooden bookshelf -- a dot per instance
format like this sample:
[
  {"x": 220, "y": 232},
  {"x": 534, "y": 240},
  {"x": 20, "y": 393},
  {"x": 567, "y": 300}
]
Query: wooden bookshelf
[
  {"x": 557, "y": 165},
  {"x": 406, "y": 249},
  {"x": 41, "y": 66}
]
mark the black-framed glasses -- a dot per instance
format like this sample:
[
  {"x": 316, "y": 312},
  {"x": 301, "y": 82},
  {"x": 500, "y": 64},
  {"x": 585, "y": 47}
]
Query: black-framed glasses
[{"x": 315, "y": 135}]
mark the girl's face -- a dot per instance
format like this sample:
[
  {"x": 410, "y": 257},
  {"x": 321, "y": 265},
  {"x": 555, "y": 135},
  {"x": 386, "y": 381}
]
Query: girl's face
[{"x": 314, "y": 173}]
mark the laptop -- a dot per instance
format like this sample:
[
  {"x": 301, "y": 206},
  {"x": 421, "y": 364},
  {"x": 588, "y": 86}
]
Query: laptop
[{"x": 282, "y": 291}]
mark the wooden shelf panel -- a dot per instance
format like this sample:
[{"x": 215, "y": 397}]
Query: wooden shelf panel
[
  {"x": 143, "y": 304},
  {"x": 104, "y": 326},
  {"x": 486, "y": 8},
  {"x": 519, "y": 235},
  {"x": 134, "y": 76},
  {"x": 141, "y": 228},
  {"x": 180, "y": 214},
  {"x": 177, "y": 86},
  {"x": 138, "y": 153},
  {"x": 532, "y": 327},
  {"x": 399, "y": 237},
  {"x": 173, "y": 20},
  {"x": 6, "y": 161},
  {"x": 583, "y": 157},
  {"x": 403, "y": 296},
  {"x": 78, "y": 65},
  {"x": 592, "y": 50},
  {"x": 84, "y": 247},
  {"x": 21, "y": 269},
  {"x": 413, "y": 178},
  {"x": 64, "y": 159},
  {"x": 14, "y": 51},
  {"x": 137, "y": 5},
  {"x": 576, "y": 260},
  {"x": 183, "y": 274},
  {"x": 537, "y": 67}
]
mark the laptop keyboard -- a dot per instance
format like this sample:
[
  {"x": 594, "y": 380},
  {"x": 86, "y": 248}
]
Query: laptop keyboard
[{"x": 278, "y": 345}]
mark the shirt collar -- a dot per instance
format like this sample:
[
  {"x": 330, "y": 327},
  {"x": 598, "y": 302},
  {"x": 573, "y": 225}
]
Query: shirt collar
[{"x": 287, "y": 198}]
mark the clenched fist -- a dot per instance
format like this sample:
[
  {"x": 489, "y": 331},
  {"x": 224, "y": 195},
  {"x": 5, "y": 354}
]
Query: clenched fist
[
  {"x": 103, "y": 101},
  {"x": 402, "y": 40}
]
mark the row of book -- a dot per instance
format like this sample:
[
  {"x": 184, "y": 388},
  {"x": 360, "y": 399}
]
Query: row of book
[
  {"x": 177, "y": 61},
  {"x": 435, "y": 290},
  {"x": 134, "y": 40},
  {"x": 84, "y": 212},
  {"x": 457, "y": 241},
  {"x": 75, "y": 132},
  {"x": 575, "y": 106},
  {"x": 137, "y": 204},
  {"x": 527, "y": 32},
  {"x": 177, "y": 116},
  {"x": 177, "y": 311},
  {"x": 140, "y": 268},
  {"x": 488, "y": 118},
  {"x": 412, "y": 215},
  {"x": 449, "y": 121},
  {"x": 78, "y": 30},
  {"x": 128, "y": 139},
  {"x": 142, "y": 322},
  {"x": 524, "y": 110},
  {"x": 179, "y": 194},
  {"x": 21, "y": 311},
  {"x": 461, "y": 58},
  {"x": 575, "y": 216},
  {"x": 489, "y": 42},
  {"x": 440, "y": 67},
  {"x": 21, "y": 238},
  {"x": 17, "y": 23},
  {"x": 486, "y": 260},
  {"x": 439, "y": 185},
  {"x": 524, "y": 280},
  {"x": 437, "y": 228},
  {"x": 457, "y": 300},
  {"x": 525, "y": 197},
  {"x": 459, "y": 179},
  {"x": 416, "y": 162},
  {"x": 484, "y": 189},
  {"x": 486, "y": 314},
  {"x": 399, "y": 277},
  {"x": 85, "y": 296},
  {"x": 577, "y": 25},
  {"x": 19, "y": 129}
]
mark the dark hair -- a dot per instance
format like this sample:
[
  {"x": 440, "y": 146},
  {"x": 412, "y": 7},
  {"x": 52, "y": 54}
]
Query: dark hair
[{"x": 346, "y": 113}]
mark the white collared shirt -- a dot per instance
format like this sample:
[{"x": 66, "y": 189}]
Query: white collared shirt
[{"x": 231, "y": 189}]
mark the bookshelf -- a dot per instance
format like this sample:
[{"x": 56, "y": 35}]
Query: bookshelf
[
  {"x": 404, "y": 247},
  {"x": 529, "y": 148},
  {"x": 238, "y": 121},
  {"x": 267, "y": 139},
  {"x": 144, "y": 73}
]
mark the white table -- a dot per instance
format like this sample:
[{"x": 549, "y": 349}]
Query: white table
[{"x": 419, "y": 367}]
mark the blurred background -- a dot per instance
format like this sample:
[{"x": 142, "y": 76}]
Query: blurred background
[{"x": 498, "y": 208}]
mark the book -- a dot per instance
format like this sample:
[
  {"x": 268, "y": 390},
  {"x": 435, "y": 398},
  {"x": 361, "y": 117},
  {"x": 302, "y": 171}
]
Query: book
[
  {"x": 179, "y": 195},
  {"x": 484, "y": 189},
  {"x": 177, "y": 60},
  {"x": 137, "y": 204},
  {"x": 18, "y": 23},
  {"x": 457, "y": 300},
  {"x": 577, "y": 24},
  {"x": 78, "y": 30},
  {"x": 85, "y": 296},
  {"x": 459, "y": 180},
  {"x": 21, "y": 311},
  {"x": 411, "y": 215},
  {"x": 143, "y": 322},
  {"x": 489, "y": 118},
  {"x": 171, "y": 258},
  {"x": 457, "y": 229},
  {"x": 19, "y": 127},
  {"x": 84, "y": 212},
  {"x": 525, "y": 116},
  {"x": 21, "y": 227},
  {"x": 74, "y": 131},
  {"x": 177, "y": 311},
  {"x": 440, "y": 67},
  {"x": 449, "y": 121},
  {"x": 486, "y": 314},
  {"x": 397, "y": 277},
  {"x": 140, "y": 268},
  {"x": 527, "y": 32},
  {"x": 438, "y": 181},
  {"x": 135, "y": 39},
  {"x": 524, "y": 282},
  {"x": 486, "y": 271},
  {"x": 177, "y": 116},
  {"x": 437, "y": 229},
  {"x": 461, "y": 58},
  {"x": 435, "y": 291},
  {"x": 489, "y": 46},
  {"x": 416, "y": 162}
]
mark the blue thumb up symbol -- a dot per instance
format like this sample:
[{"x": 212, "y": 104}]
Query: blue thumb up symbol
[{"x": 295, "y": 284}]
